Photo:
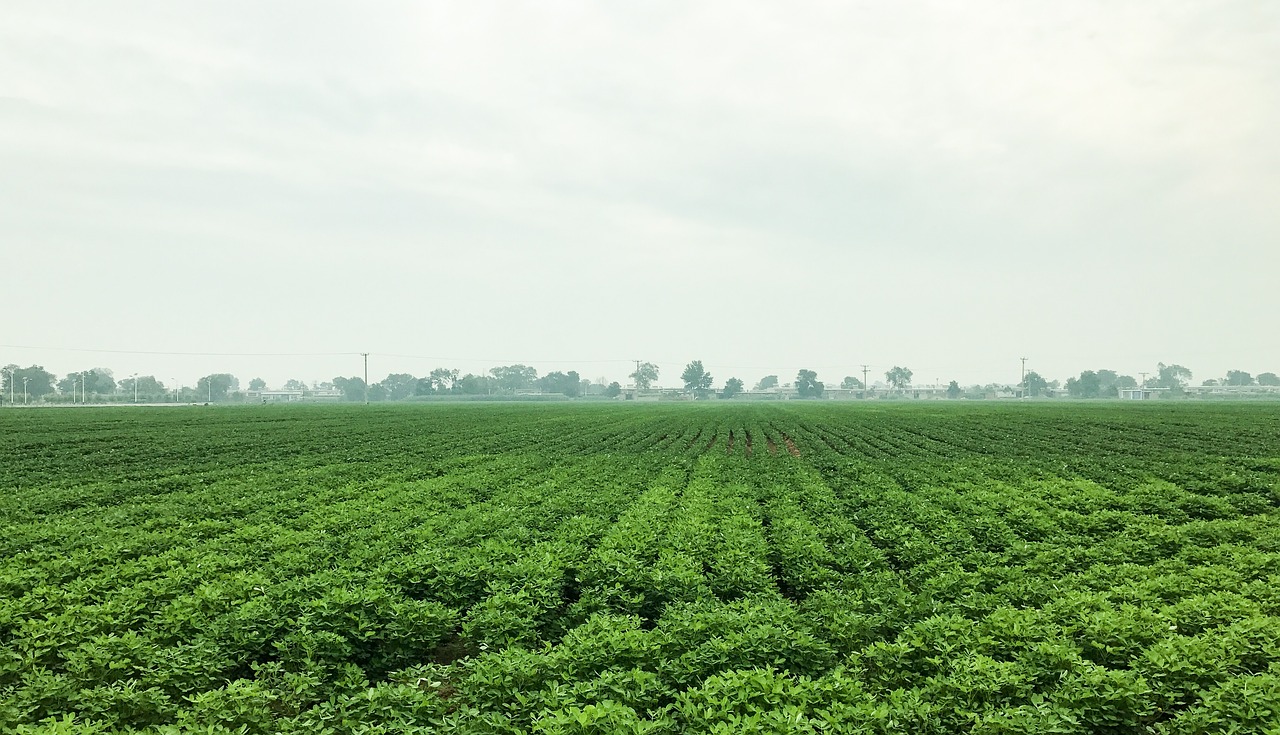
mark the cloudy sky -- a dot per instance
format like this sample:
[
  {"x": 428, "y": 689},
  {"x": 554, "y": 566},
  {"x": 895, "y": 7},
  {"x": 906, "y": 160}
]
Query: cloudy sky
[{"x": 574, "y": 185}]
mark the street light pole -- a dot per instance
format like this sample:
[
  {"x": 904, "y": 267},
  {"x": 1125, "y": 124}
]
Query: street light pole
[
  {"x": 25, "y": 400},
  {"x": 135, "y": 387}
]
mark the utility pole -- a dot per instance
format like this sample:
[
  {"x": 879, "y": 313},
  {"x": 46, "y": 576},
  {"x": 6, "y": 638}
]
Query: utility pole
[
  {"x": 866, "y": 387},
  {"x": 135, "y": 387},
  {"x": 1144, "y": 380},
  {"x": 365, "y": 355},
  {"x": 25, "y": 401},
  {"x": 1024, "y": 376}
]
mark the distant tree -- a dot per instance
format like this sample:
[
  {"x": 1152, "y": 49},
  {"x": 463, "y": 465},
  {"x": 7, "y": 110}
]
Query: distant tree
[
  {"x": 1238, "y": 377},
  {"x": 1268, "y": 379},
  {"x": 1127, "y": 382},
  {"x": 39, "y": 382},
  {"x": 295, "y": 384},
  {"x": 644, "y": 375},
  {"x": 147, "y": 386},
  {"x": 1173, "y": 377},
  {"x": 696, "y": 379},
  {"x": 1209, "y": 383},
  {"x": 954, "y": 391},
  {"x": 1034, "y": 385},
  {"x": 584, "y": 387},
  {"x": 353, "y": 388},
  {"x": 851, "y": 383},
  {"x": 557, "y": 382},
  {"x": 514, "y": 377},
  {"x": 473, "y": 385},
  {"x": 614, "y": 390},
  {"x": 443, "y": 379},
  {"x": 257, "y": 384},
  {"x": 397, "y": 386},
  {"x": 1088, "y": 385},
  {"x": 808, "y": 385},
  {"x": 217, "y": 386},
  {"x": 732, "y": 387},
  {"x": 899, "y": 377},
  {"x": 767, "y": 382},
  {"x": 97, "y": 380}
]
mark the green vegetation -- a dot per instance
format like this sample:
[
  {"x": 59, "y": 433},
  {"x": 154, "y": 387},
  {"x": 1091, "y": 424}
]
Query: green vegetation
[{"x": 807, "y": 567}]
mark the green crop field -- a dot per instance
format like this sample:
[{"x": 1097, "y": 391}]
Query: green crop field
[{"x": 788, "y": 568}]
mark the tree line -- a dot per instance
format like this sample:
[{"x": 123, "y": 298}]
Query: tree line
[{"x": 34, "y": 383}]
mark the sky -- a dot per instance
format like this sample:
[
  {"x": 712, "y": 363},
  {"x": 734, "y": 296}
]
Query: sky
[{"x": 577, "y": 185}]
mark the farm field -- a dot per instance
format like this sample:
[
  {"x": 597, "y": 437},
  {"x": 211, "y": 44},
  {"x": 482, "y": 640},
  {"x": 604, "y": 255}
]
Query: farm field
[{"x": 499, "y": 568}]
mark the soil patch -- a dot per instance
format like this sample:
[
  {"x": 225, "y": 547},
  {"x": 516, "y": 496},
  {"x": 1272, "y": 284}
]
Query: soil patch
[{"x": 791, "y": 446}]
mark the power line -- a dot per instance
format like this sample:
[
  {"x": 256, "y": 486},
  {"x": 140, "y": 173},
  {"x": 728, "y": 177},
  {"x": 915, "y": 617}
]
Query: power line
[{"x": 181, "y": 354}]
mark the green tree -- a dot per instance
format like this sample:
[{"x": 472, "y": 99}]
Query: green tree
[
  {"x": 898, "y": 377},
  {"x": 38, "y": 381},
  {"x": 257, "y": 384},
  {"x": 512, "y": 378},
  {"x": 1088, "y": 385},
  {"x": 147, "y": 386},
  {"x": 808, "y": 385},
  {"x": 1268, "y": 379},
  {"x": 732, "y": 387},
  {"x": 398, "y": 386},
  {"x": 353, "y": 388},
  {"x": 570, "y": 383},
  {"x": 1033, "y": 384},
  {"x": 645, "y": 374},
  {"x": 954, "y": 391},
  {"x": 1172, "y": 377},
  {"x": 443, "y": 379},
  {"x": 614, "y": 390},
  {"x": 696, "y": 379},
  {"x": 1238, "y": 377},
  {"x": 851, "y": 383},
  {"x": 472, "y": 385},
  {"x": 217, "y": 386},
  {"x": 295, "y": 384},
  {"x": 767, "y": 382},
  {"x": 98, "y": 380}
]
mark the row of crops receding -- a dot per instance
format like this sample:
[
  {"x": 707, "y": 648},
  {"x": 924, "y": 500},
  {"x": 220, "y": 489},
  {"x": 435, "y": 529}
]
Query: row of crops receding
[{"x": 792, "y": 568}]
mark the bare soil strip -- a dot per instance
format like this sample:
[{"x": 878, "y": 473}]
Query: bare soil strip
[
  {"x": 711, "y": 443},
  {"x": 729, "y": 449},
  {"x": 791, "y": 446},
  {"x": 770, "y": 444},
  {"x": 748, "y": 434}
]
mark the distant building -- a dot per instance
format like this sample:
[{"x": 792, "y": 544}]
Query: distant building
[
  {"x": 1136, "y": 394},
  {"x": 292, "y": 396}
]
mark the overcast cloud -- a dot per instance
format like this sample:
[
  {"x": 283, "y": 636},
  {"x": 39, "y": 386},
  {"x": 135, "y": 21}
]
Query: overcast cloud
[{"x": 946, "y": 186}]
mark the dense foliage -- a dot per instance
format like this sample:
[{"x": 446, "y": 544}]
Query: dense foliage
[{"x": 793, "y": 568}]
